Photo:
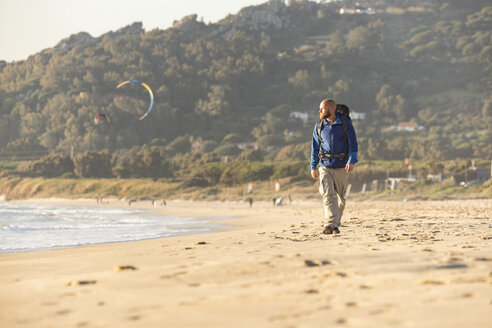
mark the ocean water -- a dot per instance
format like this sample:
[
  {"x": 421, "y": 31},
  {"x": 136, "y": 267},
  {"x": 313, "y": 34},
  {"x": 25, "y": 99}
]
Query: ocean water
[{"x": 29, "y": 227}]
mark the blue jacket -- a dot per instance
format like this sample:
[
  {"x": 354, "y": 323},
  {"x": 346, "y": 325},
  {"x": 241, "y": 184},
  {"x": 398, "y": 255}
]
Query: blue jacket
[{"x": 332, "y": 142}]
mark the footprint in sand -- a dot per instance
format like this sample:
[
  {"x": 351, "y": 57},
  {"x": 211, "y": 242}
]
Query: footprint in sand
[
  {"x": 482, "y": 259},
  {"x": 452, "y": 266},
  {"x": 81, "y": 282},
  {"x": 341, "y": 321},
  {"x": 63, "y": 312},
  {"x": 315, "y": 263},
  {"x": 120, "y": 268}
]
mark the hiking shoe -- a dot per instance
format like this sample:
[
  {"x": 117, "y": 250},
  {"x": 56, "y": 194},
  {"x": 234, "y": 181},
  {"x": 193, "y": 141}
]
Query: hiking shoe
[
  {"x": 328, "y": 230},
  {"x": 335, "y": 230}
]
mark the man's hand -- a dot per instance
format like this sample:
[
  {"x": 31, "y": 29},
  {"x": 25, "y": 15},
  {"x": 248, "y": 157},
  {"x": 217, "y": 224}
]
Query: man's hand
[
  {"x": 314, "y": 173},
  {"x": 349, "y": 167}
]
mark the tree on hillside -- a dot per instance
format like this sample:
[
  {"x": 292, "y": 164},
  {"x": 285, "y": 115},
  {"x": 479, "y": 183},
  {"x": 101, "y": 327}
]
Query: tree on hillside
[{"x": 93, "y": 165}]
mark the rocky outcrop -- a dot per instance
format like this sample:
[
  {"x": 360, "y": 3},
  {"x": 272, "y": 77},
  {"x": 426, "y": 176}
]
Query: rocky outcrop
[
  {"x": 80, "y": 39},
  {"x": 265, "y": 17},
  {"x": 189, "y": 24}
]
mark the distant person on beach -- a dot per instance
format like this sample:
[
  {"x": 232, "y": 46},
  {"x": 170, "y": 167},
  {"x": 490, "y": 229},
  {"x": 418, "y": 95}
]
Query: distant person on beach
[
  {"x": 250, "y": 200},
  {"x": 334, "y": 148}
]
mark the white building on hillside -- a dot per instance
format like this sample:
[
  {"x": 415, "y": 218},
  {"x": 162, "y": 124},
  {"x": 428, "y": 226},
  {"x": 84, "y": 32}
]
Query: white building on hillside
[
  {"x": 302, "y": 116},
  {"x": 357, "y": 116},
  {"x": 357, "y": 8},
  {"x": 409, "y": 126}
]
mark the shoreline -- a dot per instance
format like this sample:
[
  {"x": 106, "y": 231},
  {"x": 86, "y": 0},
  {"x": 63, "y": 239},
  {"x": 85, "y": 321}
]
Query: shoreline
[
  {"x": 218, "y": 223},
  {"x": 424, "y": 263}
]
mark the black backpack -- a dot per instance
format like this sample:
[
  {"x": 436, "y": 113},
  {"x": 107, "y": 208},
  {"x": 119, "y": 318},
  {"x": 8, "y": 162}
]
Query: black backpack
[{"x": 343, "y": 112}]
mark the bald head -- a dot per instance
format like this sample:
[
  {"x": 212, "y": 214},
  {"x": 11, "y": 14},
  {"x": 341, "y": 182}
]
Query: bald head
[
  {"x": 327, "y": 108},
  {"x": 328, "y": 102}
]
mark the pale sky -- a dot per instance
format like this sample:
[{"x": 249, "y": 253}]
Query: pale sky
[{"x": 29, "y": 26}]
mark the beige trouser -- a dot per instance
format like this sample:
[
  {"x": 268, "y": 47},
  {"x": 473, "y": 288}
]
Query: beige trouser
[{"x": 332, "y": 186}]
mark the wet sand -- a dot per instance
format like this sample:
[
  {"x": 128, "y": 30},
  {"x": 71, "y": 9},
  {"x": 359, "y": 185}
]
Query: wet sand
[{"x": 395, "y": 264}]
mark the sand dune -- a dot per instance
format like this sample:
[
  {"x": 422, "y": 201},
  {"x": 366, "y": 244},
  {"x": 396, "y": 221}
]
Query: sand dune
[{"x": 395, "y": 264}]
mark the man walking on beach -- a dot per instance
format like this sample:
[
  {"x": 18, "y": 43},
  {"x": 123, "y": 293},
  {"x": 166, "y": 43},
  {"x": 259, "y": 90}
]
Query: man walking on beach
[{"x": 334, "y": 148}]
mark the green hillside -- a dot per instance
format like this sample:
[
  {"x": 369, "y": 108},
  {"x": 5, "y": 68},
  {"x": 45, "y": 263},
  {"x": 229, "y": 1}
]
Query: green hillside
[{"x": 238, "y": 81}]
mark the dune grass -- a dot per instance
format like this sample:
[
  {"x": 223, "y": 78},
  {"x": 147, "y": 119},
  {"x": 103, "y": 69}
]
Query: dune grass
[{"x": 141, "y": 189}]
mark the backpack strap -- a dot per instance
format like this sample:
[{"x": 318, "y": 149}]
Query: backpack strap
[{"x": 320, "y": 124}]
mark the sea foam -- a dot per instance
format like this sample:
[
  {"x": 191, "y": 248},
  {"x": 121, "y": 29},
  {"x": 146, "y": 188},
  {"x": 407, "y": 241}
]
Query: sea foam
[{"x": 29, "y": 227}]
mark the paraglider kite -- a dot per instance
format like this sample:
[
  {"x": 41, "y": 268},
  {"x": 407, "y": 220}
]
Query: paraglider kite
[
  {"x": 148, "y": 89},
  {"x": 100, "y": 116}
]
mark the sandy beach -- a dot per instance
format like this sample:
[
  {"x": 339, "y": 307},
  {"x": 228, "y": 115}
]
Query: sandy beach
[{"x": 395, "y": 264}]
